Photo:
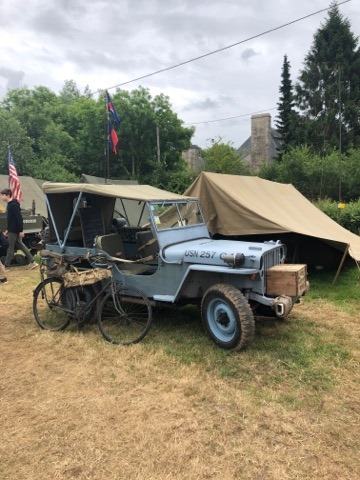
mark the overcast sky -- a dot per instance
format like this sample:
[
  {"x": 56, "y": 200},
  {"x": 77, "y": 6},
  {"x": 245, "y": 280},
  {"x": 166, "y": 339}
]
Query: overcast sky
[{"x": 104, "y": 43}]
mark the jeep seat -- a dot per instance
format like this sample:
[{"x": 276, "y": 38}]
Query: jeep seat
[
  {"x": 111, "y": 244},
  {"x": 147, "y": 244}
]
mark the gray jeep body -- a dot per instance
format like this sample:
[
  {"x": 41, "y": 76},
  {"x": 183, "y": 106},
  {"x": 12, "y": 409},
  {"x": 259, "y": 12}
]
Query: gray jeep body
[{"x": 162, "y": 247}]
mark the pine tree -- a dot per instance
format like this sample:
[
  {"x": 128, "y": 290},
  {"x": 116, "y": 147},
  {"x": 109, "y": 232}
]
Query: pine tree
[
  {"x": 329, "y": 87},
  {"x": 285, "y": 123}
]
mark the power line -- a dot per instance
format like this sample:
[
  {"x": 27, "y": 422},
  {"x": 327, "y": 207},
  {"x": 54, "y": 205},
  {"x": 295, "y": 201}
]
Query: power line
[
  {"x": 221, "y": 49},
  {"x": 231, "y": 118}
]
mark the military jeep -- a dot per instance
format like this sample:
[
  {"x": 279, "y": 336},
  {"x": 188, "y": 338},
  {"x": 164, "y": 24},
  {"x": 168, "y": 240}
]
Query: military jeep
[{"x": 162, "y": 248}]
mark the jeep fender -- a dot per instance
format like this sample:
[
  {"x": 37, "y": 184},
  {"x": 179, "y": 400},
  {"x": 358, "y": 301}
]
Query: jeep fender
[{"x": 213, "y": 270}]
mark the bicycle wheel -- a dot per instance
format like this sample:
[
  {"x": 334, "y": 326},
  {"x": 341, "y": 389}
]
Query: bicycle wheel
[
  {"x": 124, "y": 317},
  {"x": 51, "y": 304}
]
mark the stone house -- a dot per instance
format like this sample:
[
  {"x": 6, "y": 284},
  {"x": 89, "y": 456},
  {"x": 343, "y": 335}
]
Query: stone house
[
  {"x": 193, "y": 158},
  {"x": 263, "y": 144}
]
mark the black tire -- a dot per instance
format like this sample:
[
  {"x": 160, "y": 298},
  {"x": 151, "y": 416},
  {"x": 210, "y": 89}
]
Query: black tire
[
  {"x": 19, "y": 258},
  {"x": 227, "y": 317},
  {"x": 51, "y": 304},
  {"x": 125, "y": 318}
]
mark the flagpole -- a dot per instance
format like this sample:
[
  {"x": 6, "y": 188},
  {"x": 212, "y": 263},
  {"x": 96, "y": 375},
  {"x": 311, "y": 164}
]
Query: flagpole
[
  {"x": 107, "y": 144},
  {"x": 112, "y": 135},
  {"x": 8, "y": 158}
]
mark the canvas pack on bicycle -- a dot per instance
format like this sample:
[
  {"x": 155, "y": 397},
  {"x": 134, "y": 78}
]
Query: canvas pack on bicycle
[{"x": 79, "y": 278}]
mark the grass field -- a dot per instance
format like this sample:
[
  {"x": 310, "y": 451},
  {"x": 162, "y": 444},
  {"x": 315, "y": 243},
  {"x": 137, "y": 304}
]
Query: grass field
[{"x": 177, "y": 407}]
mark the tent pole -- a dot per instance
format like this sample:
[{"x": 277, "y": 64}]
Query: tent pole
[
  {"x": 341, "y": 264},
  {"x": 295, "y": 254}
]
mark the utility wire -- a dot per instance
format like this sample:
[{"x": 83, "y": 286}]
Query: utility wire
[
  {"x": 230, "y": 118},
  {"x": 222, "y": 49},
  {"x": 327, "y": 82}
]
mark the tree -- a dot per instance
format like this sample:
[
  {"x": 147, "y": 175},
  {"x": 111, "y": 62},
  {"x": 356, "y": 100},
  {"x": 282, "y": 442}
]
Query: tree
[
  {"x": 54, "y": 169},
  {"x": 223, "y": 158},
  {"x": 329, "y": 87},
  {"x": 67, "y": 135},
  {"x": 285, "y": 122},
  {"x": 69, "y": 91},
  {"x": 84, "y": 120},
  {"x": 12, "y": 133},
  {"x": 144, "y": 122},
  {"x": 335, "y": 176},
  {"x": 41, "y": 114},
  {"x": 349, "y": 173},
  {"x": 181, "y": 178},
  {"x": 34, "y": 110}
]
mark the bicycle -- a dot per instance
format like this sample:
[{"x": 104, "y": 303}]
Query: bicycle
[{"x": 123, "y": 314}]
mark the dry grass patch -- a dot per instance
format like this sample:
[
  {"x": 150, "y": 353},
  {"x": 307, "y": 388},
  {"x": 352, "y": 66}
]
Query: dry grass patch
[{"x": 75, "y": 407}]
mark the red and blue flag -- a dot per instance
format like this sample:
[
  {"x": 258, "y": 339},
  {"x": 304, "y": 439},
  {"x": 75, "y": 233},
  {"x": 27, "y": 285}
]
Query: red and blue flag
[
  {"x": 111, "y": 109},
  {"x": 113, "y": 138}
]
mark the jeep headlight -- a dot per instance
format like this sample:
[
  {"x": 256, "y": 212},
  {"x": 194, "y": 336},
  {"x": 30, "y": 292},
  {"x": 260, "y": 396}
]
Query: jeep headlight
[{"x": 234, "y": 260}]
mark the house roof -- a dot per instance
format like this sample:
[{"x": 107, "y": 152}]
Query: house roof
[{"x": 275, "y": 144}]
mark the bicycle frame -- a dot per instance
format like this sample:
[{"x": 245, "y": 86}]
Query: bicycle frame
[{"x": 124, "y": 314}]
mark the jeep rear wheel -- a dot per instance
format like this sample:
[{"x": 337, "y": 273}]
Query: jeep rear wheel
[{"x": 227, "y": 317}]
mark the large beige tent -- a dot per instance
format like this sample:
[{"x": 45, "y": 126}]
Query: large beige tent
[{"x": 236, "y": 205}]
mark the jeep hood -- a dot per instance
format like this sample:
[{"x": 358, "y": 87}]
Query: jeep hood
[{"x": 215, "y": 252}]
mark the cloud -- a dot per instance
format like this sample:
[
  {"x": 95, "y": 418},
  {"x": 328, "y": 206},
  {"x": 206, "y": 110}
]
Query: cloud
[
  {"x": 53, "y": 22},
  {"x": 14, "y": 77},
  {"x": 206, "y": 104},
  {"x": 248, "y": 53},
  {"x": 103, "y": 43}
]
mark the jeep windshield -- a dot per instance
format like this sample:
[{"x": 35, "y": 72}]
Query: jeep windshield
[{"x": 176, "y": 214}]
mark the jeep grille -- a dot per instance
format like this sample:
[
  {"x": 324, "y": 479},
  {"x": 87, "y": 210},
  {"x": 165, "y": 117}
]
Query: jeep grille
[{"x": 272, "y": 257}]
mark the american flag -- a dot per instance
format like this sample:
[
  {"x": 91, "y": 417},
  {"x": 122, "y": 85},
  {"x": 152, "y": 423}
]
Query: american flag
[{"x": 14, "y": 182}]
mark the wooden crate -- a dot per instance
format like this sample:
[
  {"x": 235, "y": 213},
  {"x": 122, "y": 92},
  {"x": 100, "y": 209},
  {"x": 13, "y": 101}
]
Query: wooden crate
[{"x": 286, "y": 280}]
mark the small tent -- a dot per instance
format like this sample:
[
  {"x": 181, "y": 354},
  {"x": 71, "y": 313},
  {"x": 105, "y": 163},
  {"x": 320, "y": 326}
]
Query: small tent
[
  {"x": 33, "y": 196},
  {"x": 247, "y": 207}
]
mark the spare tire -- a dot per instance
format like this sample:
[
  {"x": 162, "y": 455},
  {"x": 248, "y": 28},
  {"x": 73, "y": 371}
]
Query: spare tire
[{"x": 19, "y": 258}]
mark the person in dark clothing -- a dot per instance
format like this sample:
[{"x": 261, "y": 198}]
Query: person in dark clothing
[
  {"x": 3, "y": 278},
  {"x": 3, "y": 245},
  {"x": 14, "y": 230}
]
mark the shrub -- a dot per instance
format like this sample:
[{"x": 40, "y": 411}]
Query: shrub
[{"x": 348, "y": 217}]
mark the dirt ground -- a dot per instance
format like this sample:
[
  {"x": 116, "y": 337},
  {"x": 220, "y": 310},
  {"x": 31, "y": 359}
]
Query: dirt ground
[{"x": 74, "y": 407}]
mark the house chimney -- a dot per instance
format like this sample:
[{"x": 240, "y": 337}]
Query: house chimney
[{"x": 260, "y": 139}]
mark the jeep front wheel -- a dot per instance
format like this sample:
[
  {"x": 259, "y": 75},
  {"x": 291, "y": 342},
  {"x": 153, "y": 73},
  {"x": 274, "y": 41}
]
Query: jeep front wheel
[{"x": 227, "y": 317}]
